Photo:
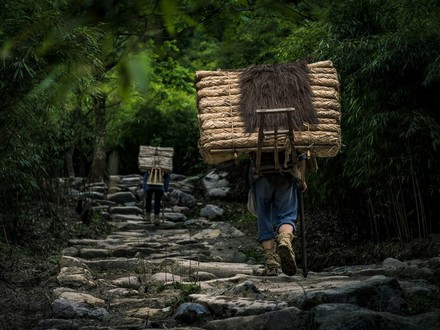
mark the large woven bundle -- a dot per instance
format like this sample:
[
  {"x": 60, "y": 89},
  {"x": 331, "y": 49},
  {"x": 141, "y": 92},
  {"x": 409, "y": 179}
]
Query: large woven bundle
[
  {"x": 156, "y": 157},
  {"x": 225, "y": 135}
]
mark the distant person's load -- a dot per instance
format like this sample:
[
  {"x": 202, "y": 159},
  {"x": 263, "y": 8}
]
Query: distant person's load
[
  {"x": 228, "y": 101},
  {"x": 157, "y": 161}
]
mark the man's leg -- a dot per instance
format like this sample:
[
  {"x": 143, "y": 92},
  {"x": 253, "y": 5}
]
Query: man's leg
[
  {"x": 262, "y": 191},
  {"x": 148, "y": 199},
  {"x": 285, "y": 251},
  {"x": 285, "y": 207},
  {"x": 272, "y": 260},
  {"x": 157, "y": 199}
]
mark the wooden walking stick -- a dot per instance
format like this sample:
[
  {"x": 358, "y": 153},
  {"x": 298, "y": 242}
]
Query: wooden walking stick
[
  {"x": 303, "y": 229},
  {"x": 163, "y": 207}
]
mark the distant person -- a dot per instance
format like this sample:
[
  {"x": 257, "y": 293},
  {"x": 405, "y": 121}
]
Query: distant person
[
  {"x": 274, "y": 194},
  {"x": 158, "y": 189}
]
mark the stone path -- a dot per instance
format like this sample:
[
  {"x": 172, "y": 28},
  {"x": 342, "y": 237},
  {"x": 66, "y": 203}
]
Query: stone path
[{"x": 193, "y": 274}]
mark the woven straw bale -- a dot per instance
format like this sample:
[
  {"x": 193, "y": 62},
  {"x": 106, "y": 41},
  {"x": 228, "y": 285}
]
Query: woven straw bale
[
  {"x": 219, "y": 91},
  {"x": 322, "y": 70},
  {"x": 235, "y": 118},
  {"x": 247, "y": 140},
  {"x": 159, "y": 157},
  {"x": 317, "y": 66},
  {"x": 321, "y": 64},
  {"x": 226, "y": 147},
  {"x": 222, "y": 130},
  {"x": 238, "y": 126}
]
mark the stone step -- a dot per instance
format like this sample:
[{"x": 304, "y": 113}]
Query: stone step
[{"x": 179, "y": 275}]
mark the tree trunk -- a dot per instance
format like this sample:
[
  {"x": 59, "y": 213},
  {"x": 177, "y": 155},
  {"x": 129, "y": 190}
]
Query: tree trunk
[
  {"x": 69, "y": 160},
  {"x": 97, "y": 171},
  {"x": 76, "y": 124}
]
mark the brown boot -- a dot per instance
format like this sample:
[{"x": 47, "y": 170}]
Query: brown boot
[
  {"x": 285, "y": 251},
  {"x": 272, "y": 262},
  {"x": 156, "y": 219}
]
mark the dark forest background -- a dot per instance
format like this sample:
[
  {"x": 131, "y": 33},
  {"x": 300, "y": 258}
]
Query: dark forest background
[{"x": 85, "y": 81}]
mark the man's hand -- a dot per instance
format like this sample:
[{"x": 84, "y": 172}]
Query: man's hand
[{"x": 303, "y": 186}]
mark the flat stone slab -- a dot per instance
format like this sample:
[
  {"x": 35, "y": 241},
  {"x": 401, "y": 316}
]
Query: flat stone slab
[
  {"x": 232, "y": 306},
  {"x": 141, "y": 272}
]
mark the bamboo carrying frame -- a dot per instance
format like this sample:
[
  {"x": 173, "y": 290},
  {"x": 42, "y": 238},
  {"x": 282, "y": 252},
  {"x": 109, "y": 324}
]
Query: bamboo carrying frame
[
  {"x": 262, "y": 134},
  {"x": 155, "y": 177}
]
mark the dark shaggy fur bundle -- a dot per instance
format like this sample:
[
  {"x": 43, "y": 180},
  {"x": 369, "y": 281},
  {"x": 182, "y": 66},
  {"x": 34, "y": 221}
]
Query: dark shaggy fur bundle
[{"x": 276, "y": 86}]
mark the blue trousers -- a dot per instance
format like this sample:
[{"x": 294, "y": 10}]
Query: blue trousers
[
  {"x": 158, "y": 193},
  {"x": 276, "y": 202}
]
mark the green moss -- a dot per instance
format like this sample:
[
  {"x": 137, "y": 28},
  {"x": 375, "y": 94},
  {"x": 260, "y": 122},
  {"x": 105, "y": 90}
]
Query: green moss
[{"x": 423, "y": 304}]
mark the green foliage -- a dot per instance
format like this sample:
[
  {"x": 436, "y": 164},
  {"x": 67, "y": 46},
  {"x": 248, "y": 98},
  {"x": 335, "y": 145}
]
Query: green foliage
[
  {"x": 390, "y": 128},
  {"x": 44, "y": 57},
  {"x": 96, "y": 228},
  {"x": 142, "y": 56},
  {"x": 165, "y": 115},
  {"x": 252, "y": 37},
  {"x": 185, "y": 290},
  {"x": 419, "y": 304}
]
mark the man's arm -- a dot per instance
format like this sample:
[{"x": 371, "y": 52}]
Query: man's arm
[
  {"x": 166, "y": 182},
  {"x": 145, "y": 181}
]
